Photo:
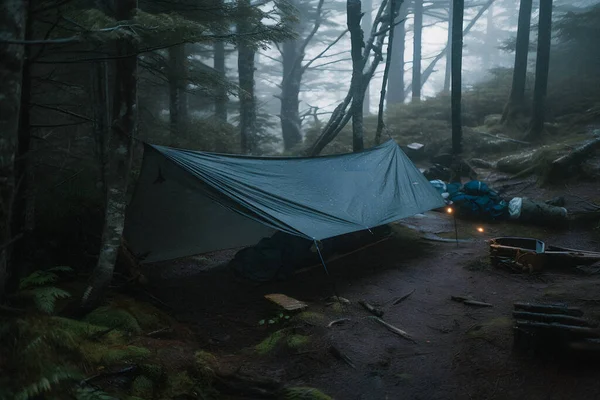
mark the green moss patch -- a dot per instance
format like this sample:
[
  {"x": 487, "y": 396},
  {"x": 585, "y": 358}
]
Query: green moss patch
[
  {"x": 297, "y": 341},
  {"x": 267, "y": 345},
  {"x": 114, "y": 318},
  {"x": 143, "y": 387}
]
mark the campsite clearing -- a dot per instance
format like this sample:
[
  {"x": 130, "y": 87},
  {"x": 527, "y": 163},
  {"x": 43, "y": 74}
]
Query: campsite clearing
[{"x": 460, "y": 352}]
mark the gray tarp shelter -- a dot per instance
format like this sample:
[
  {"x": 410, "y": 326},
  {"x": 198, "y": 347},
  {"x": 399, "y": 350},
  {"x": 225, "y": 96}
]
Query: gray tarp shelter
[{"x": 191, "y": 202}]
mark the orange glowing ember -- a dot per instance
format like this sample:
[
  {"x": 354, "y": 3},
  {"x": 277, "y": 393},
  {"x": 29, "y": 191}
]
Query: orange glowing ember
[
  {"x": 480, "y": 229},
  {"x": 449, "y": 210}
]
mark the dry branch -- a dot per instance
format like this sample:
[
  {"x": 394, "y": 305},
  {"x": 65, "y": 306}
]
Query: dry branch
[
  {"x": 373, "y": 310},
  {"x": 394, "y": 329},
  {"x": 402, "y": 298}
]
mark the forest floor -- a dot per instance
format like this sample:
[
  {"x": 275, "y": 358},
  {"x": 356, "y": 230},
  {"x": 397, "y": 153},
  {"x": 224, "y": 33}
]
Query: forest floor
[{"x": 460, "y": 352}]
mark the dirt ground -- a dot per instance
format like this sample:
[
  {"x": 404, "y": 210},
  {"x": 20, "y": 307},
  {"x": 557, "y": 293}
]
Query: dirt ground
[{"x": 460, "y": 352}]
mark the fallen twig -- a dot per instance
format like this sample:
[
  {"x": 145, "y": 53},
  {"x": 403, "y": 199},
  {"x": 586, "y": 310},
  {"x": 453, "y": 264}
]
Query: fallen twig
[
  {"x": 476, "y": 303},
  {"x": 158, "y": 331},
  {"x": 402, "y": 298},
  {"x": 469, "y": 301},
  {"x": 394, "y": 329},
  {"x": 337, "y": 321},
  {"x": 339, "y": 355},
  {"x": 373, "y": 310},
  {"x": 502, "y": 138}
]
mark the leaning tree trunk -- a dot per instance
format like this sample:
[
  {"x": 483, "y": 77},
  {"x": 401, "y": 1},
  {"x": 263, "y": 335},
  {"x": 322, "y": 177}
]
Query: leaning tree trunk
[
  {"x": 119, "y": 154},
  {"x": 177, "y": 90},
  {"x": 457, "y": 45},
  {"x": 12, "y": 26},
  {"x": 417, "y": 47},
  {"x": 246, "y": 82},
  {"x": 354, "y": 14},
  {"x": 542, "y": 67},
  {"x": 447, "y": 74},
  {"x": 395, "y": 88},
  {"x": 366, "y": 24},
  {"x": 516, "y": 99},
  {"x": 290, "y": 94}
]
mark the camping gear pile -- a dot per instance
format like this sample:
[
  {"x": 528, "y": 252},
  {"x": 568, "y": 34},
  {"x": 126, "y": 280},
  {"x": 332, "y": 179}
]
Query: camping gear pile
[
  {"x": 554, "y": 329},
  {"x": 476, "y": 200}
]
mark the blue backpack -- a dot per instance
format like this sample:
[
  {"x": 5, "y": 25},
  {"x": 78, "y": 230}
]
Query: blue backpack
[{"x": 477, "y": 200}]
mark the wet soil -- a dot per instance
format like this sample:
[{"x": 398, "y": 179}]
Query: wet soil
[{"x": 460, "y": 352}]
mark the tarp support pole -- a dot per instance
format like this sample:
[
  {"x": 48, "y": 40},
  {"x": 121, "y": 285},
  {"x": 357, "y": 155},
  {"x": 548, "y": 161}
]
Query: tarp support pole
[{"x": 335, "y": 292}]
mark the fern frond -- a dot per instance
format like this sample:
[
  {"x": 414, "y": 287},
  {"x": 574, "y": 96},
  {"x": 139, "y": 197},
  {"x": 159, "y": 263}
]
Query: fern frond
[
  {"x": 45, "y": 297},
  {"x": 34, "y": 345},
  {"x": 55, "y": 376},
  {"x": 38, "y": 278}
]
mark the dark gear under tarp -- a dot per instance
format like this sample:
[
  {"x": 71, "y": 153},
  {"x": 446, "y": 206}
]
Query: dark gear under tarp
[{"x": 191, "y": 202}]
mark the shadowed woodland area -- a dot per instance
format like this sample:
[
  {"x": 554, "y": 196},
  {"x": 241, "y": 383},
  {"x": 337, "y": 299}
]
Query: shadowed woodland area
[{"x": 500, "y": 92}]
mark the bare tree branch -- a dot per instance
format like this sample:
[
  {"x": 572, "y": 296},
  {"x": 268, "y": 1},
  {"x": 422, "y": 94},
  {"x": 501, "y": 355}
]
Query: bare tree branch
[
  {"x": 315, "y": 28},
  {"x": 308, "y": 64},
  {"x": 71, "y": 113}
]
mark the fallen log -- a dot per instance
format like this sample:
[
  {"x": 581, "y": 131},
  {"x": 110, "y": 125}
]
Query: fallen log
[
  {"x": 479, "y": 163},
  {"x": 561, "y": 165},
  {"x": 575, "y": 331},
  {"x": 550, "y": 318},
  {"x": 394, "y": 329},
  {"x": 549, "y": 309}
]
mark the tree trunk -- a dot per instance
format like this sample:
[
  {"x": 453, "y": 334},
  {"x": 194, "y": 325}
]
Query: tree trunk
[
  {"x": 354, "y": 14},
  {"x": 221, "y": 97},
  {"x": 417, "y": 47},
  {"x": 23, "y": 216},
  {"x": 247, "y": 99},
  {"x": 386, "y": 71},
  {"x": 395, "y": 89},
  {"x": 457, "y": 46},
  {"x": 542, "y": 66},
  {"x": 290, "y": 94},
  {"x": 516, "y": 99},
  {"x": 177, "y": 88},
  {"x": 447, "y": 75},
  {"x": 119, "y": 152},
  {"x": 487, "y": 59},
  {"x": 366, "y": 24},
  {"x": 12, "y": 25},
  {"x": 246, "y": 83},
  {"x": 101, "y": 106}
]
